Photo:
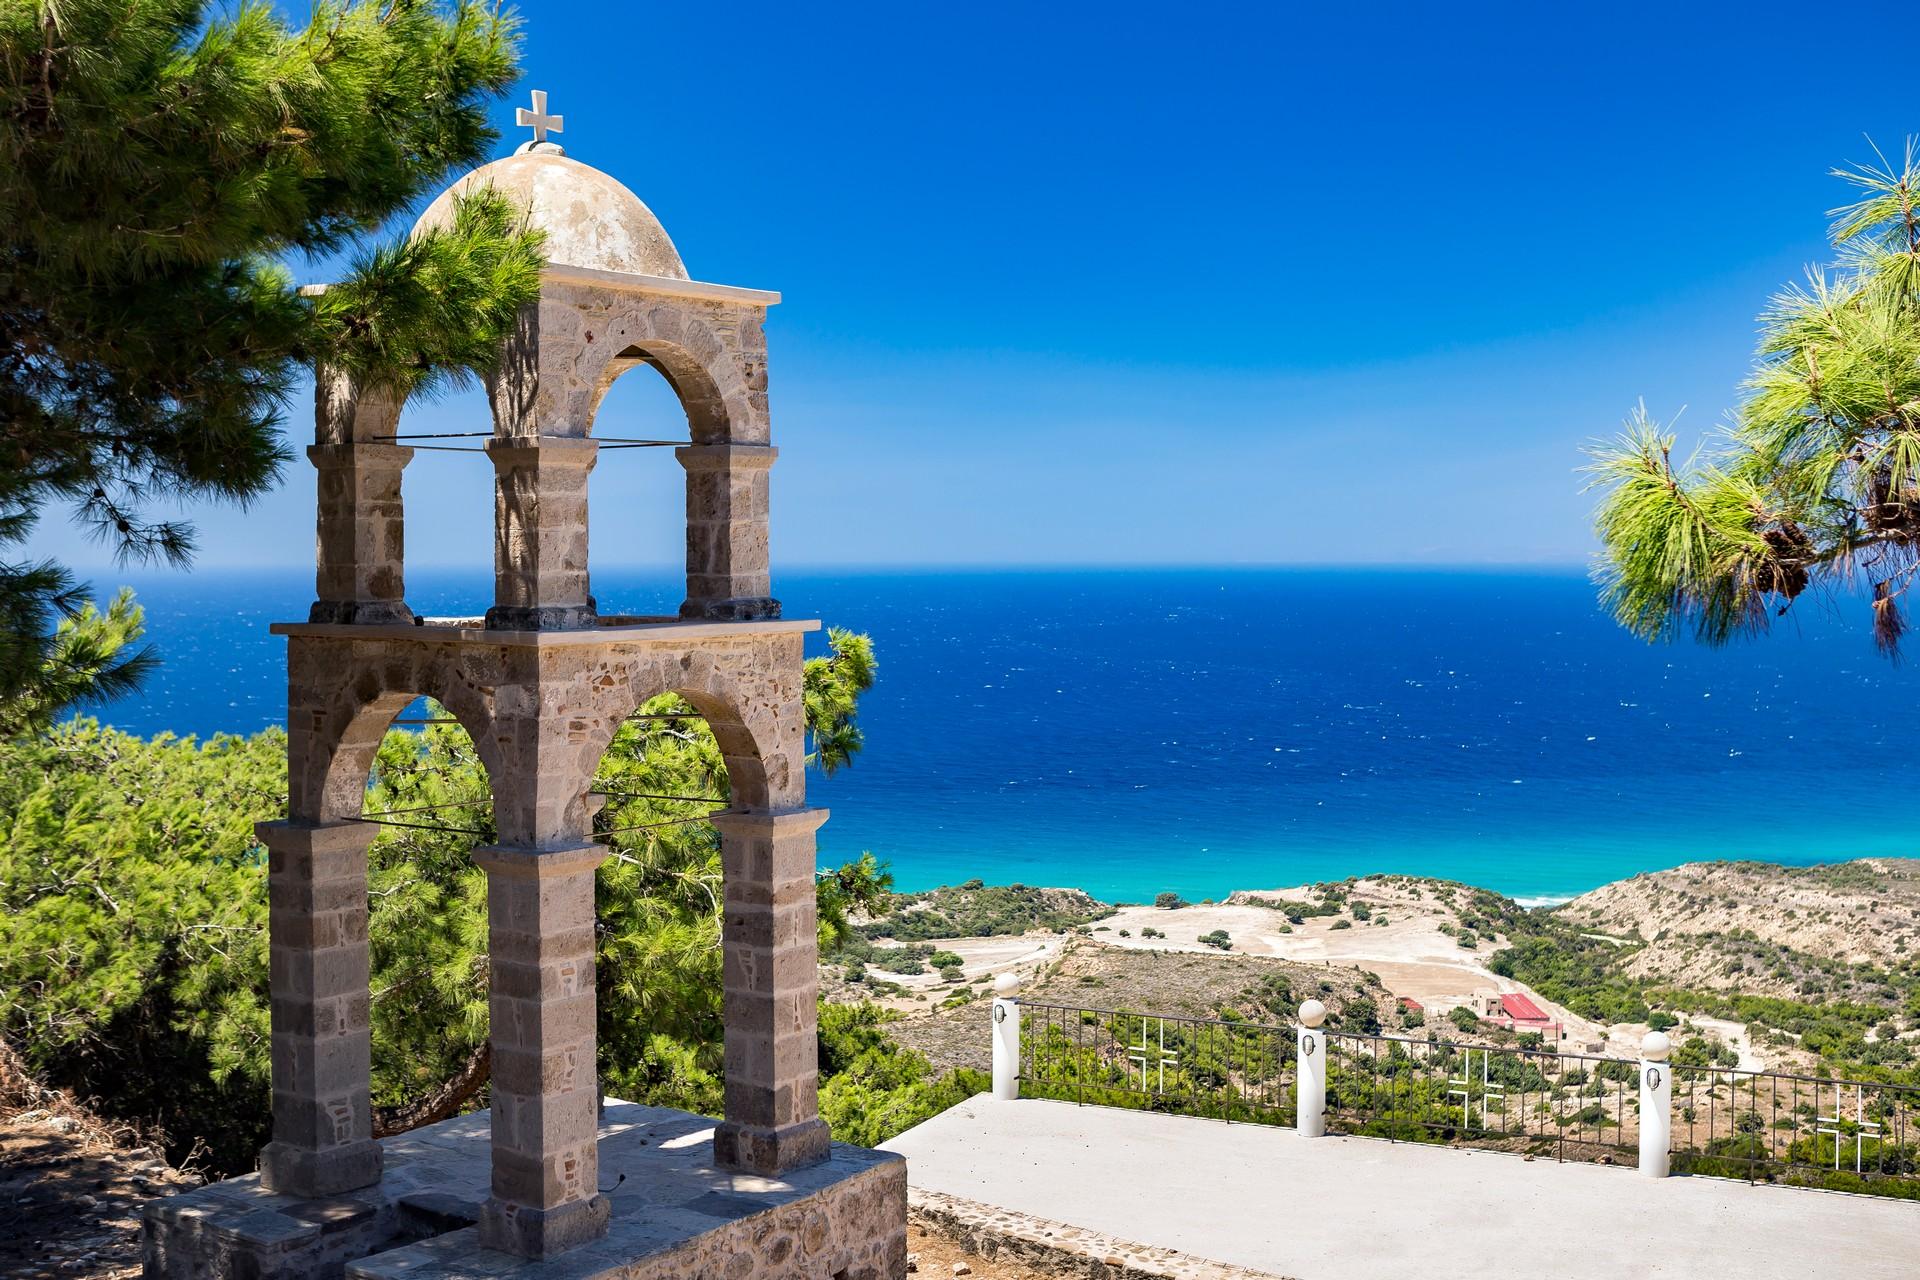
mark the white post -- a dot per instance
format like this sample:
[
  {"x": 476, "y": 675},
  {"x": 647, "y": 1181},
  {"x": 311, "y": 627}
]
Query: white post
[
  {"x": 1310, "y": 1069},
  {"x": 1656, "y": 1105},
  {"x": 1006, "y": 1037}
]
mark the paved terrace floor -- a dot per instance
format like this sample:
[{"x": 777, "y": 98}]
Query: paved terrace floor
[{"x": 1363, "y": 1209}]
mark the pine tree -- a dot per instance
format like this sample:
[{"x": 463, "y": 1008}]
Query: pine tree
[
  {"x": 159, "y": 165},
  {"x": 1816, "y": 482}
]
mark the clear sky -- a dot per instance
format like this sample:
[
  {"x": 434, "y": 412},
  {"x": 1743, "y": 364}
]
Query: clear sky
[{"x": 1195, "y": 284}]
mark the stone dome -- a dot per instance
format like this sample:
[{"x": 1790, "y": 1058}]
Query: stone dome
[{"x": 590, "y": 219}]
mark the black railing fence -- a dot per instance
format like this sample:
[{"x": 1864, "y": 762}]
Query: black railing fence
[
  {"x": 1155, "y": 1062},
  {"x": 1844, "y": 1135},
  {"x": 1847, "y": 1135},
  {"x": 1566, "y": 1105}
]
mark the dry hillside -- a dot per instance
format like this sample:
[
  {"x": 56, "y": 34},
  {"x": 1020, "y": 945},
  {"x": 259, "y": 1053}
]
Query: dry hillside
[{"x": 1823, "y": 932}]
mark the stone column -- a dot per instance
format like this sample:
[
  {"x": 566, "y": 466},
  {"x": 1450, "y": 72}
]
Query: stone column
[
  {"x": 360, "y": 551},
  {"x": 546, "y": 1160},
  {"x": 322, "y": 1043},
  {"x": 540, "y": 534},
  {"x": 771, "y": 970},
  {"x": 727, "y": 573}
]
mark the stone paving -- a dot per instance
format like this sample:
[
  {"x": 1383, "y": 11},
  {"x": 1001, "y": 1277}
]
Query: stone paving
[{"x": 1364, "y": 1209}]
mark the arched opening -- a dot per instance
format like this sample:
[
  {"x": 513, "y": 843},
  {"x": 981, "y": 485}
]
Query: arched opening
[
  {"x": 448, "y": 491},
  {"x": 637, "y": 494},
  {"x": 427, "y": 793},
  {"x": 667, "y": 767}
]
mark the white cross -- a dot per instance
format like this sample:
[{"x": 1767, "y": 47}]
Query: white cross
[{"x": 537, "y": 119}]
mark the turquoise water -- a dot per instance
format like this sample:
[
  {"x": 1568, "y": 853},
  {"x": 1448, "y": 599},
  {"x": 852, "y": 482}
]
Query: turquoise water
[{"x": 1207, "y": 730}]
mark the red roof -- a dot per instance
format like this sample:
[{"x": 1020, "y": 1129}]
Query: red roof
[
  {"x": 1521, "y": 1009},
  {"x": 1408, "y": 1002}
]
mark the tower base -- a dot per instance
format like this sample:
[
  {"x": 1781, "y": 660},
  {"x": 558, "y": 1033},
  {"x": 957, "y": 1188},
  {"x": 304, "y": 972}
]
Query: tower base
[{"x": 674, "y": 1213}]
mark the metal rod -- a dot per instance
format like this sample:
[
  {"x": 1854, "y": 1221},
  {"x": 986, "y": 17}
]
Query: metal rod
[
  {"x": 648, "y": 826},
  {"x": 422, "y": 826},
  {"x": 648, "y": 795}
]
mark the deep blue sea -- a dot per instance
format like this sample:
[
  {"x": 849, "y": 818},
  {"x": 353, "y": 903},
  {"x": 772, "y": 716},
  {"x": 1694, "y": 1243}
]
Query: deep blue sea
[{"x": 1208, "y": 730}]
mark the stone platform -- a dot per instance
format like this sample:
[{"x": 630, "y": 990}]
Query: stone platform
[{"x": 674, "y": 1214}]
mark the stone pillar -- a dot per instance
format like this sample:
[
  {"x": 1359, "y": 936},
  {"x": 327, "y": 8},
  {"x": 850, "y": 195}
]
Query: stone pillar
[
  {"x": 1310, "y": 1071},
  {"x": 360, "y": 551},
  {"x": 771, "y": 966},
  {"x": 540, "y": 534},
  {"x": 727, "y": 571},
  {"x": 322, "y": 1042},
  {"x": 546, "y": 1160}
]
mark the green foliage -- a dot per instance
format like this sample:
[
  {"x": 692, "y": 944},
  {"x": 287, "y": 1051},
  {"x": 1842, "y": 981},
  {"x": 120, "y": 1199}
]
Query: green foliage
[
  {"x": 871, "y": 1087},
  {"x": 1818, "y": 475},
  {"x": 833, "y": 686},
  {"x": 157, "y": 161},
  {"x": 134, "y": 966},
  {"x": 1463, "y": 1018},
  {"x": 1218, "y": 938},
  {"x": 1169, "y": 901},
  {"x": 943, "y": 959},
  {"x": 976, "y": 910},
  {"x": 89, "y": 660}
]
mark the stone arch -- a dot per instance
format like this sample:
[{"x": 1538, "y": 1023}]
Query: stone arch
[
  {"x": 340, "y": 747},
  {"x": 700, "y": 365},
  {"x": 751, "y": 784}
]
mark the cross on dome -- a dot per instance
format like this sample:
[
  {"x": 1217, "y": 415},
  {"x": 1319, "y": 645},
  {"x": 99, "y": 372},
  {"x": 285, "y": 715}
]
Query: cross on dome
[{"x": 540, "y": 122}]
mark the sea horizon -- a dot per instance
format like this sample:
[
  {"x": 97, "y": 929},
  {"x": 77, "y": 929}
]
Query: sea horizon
[{"x": 1129, "y": 730}]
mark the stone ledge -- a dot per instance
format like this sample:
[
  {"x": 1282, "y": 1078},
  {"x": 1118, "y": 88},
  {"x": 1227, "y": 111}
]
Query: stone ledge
[
  {"x": 474, "y": 632},
  {"x": 1057, "y": 1248}
]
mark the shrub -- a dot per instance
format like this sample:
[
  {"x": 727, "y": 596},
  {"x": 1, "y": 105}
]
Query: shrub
[
  {"x": 1218, "y": 938},
  {"x": 1413, "y": 1017},
  {"x": 1169, "y": 901},
  {"x": 1126, "y": 933},
  {"x": 1342, "y": 923},
  {"x": 952, "y": 973},
  {"x": 1463, "y": 1018},
  {"x": 943, "y": 960}
]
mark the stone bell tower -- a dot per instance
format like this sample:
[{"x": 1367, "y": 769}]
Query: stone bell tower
[{"x": 542, "y": 684}]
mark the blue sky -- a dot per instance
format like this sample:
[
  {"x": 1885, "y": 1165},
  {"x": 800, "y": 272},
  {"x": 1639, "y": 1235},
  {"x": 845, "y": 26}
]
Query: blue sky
[{"x": 1195, "y": 284}]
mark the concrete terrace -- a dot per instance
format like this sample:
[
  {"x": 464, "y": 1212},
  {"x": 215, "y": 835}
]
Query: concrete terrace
[{"x": 1363, "y": 1209}]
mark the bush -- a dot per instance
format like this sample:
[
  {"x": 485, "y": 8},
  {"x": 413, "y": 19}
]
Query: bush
[
  {"x": 1169, "y": 901},
  {"x": 1218, "y": 938},
  {"x": 952, "y": 973},
  {"x": 1342, "y": 923},
  {"x": 1126, "y": 933},
  {"x": 943, "y": 960},
  {"x": 1361, "y": 911},
  {"x": 1662, "y": 1021},
  {"x": 1413, "y": 1017},
  {"x": 1464, "y": 1018},
  {"x": 1151, "y": 932}
]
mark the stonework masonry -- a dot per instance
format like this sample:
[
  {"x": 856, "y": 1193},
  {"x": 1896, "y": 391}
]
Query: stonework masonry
[{"x": 542, "y": 684}]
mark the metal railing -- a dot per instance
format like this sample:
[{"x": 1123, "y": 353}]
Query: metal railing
[
  {"x": 1214, "y": 1067},
  {"x": 1769, "y": 1126},
  {"x": 1570, "y": 1106},
  {"x": 1761, "y": 1126}
]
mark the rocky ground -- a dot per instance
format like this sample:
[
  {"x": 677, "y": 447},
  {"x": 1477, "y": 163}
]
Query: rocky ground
[{"x": 71, "y": 1185}]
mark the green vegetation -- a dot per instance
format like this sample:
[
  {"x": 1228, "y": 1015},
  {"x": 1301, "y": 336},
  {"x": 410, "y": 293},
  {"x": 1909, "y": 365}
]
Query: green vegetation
[
  {"x": 1218, "y": 938},
  {"x": 1464, "y": 1018},
  {"x": 157, "y": 162},
  {"x": 976, "y": 910},
  {"x": 1819, "y": 474},
  {"x": 1169, "y": 901},
  {"x": 134, "y": 966}
]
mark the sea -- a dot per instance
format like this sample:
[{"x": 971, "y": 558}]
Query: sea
[{"x": 1201, "y": 730}]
